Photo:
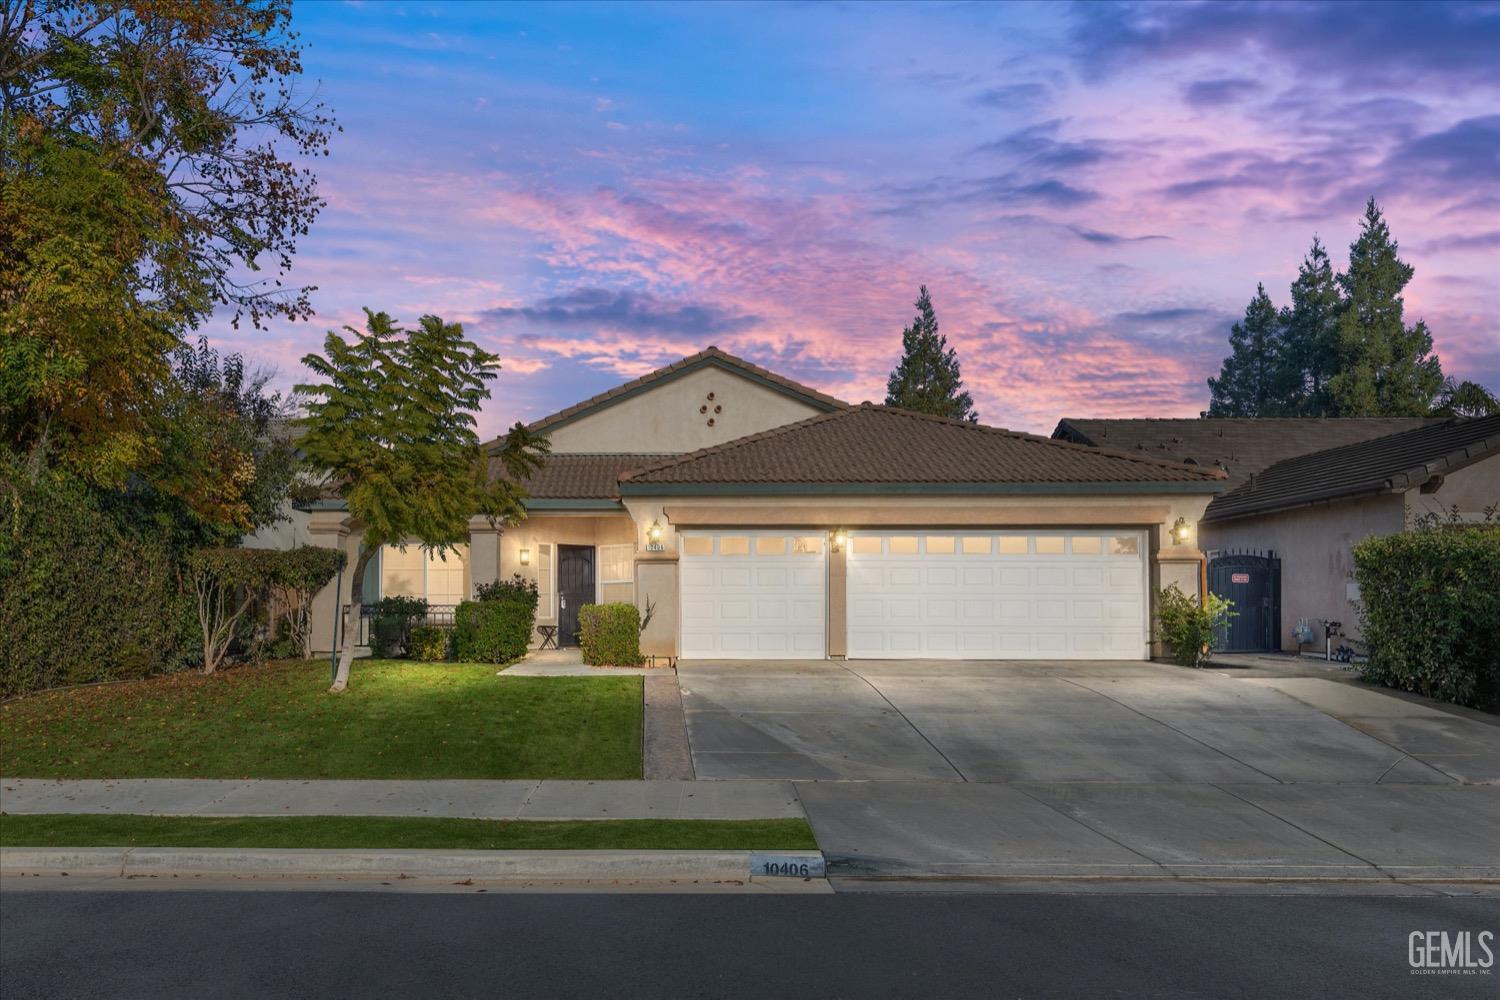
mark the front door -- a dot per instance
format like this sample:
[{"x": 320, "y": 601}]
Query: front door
[{"x": 575, "y": 588}]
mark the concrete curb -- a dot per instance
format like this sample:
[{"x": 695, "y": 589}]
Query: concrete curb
[{"x": 559, "y": 865}]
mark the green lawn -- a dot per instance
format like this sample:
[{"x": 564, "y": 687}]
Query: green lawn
[
  {"x": 397, "y": 720},
  {"x": 379, "y": 832}
]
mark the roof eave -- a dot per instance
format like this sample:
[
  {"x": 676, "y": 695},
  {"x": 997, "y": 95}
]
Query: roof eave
[
  {"x": 555, "y": 504},
  {"x": 640, "y": 489}
]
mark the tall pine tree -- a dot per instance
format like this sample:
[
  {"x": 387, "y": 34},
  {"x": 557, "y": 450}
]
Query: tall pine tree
[
  {"x": 1251, "y": 381},
  {"x": 927, "y": 379},
  {"x": 1310, "y": 336},
  {"x": 1388, "y": 368}
]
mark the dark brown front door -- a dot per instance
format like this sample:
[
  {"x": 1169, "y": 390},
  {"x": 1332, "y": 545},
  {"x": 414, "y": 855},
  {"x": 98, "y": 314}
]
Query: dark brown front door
[{"x": 575, "y": 588}]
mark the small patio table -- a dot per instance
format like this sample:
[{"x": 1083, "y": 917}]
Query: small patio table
[{"x": 549, "y": 636}]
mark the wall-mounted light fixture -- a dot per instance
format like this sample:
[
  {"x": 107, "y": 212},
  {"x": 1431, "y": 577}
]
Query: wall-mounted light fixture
[
  {"x": 840, "y": 539},
  {"x": 653, "y": 536},
  {"x": 525, "y": 557},
  {"x": 1181, "y": 531}
]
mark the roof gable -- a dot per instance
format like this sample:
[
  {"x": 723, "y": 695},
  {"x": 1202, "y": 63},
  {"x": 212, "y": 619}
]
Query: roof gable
[
  {"x": 711, "y": 357},
  {"x": 1394, "y": 463},
  {"x": 873, "y": 449}
]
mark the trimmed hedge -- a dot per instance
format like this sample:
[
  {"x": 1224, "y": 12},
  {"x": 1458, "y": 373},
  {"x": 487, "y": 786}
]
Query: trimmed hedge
[
  {"x": 82, "y": 599},
  {"x": 1430, "y": 610},
  {"x": 391, "y": 623},
  {"x": 428, "y": 643},
  {"x": 492, "y": 631},
  {"x": 610, "y": 635}
]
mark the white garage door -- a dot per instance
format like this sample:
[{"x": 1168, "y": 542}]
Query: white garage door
[
  {"x": 753, "y": 595},
  {"x": 1000, "y": 595}
]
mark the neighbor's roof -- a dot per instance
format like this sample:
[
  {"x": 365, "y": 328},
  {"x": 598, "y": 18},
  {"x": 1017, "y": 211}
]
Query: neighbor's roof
[
  {"x": 710, "y": 357},
  {"x": 582, "y": 477},
  {"x": 1241, "y": 446},
  {"x": 1395, "y": 463},
  {"x": 871, "y": 449}
]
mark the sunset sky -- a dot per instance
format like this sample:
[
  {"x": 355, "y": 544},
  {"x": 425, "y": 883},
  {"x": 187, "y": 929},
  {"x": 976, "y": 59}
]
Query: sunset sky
[{"x": 1091, "y": 193}]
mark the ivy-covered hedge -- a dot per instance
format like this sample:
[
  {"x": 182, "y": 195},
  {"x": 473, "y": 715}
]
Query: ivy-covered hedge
[
  {"x": 82, "y": 599},
  {"x": 1430, "y": 610},
  {"x": 610, "y": 634}
]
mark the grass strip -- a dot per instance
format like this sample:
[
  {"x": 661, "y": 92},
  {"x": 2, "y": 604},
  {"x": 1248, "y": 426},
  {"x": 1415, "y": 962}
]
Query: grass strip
[{"x": 382, "y": 832}]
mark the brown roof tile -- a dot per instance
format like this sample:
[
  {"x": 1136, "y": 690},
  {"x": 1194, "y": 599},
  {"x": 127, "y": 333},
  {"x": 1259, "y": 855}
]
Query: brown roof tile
[
  {"x": 709, "y": 356},
  {"x": 582, "y": 477},
  {"x": 1396, "y": 462},
  {"x": 878, "y": 445},
  {"x": 1240, "y": 446}
]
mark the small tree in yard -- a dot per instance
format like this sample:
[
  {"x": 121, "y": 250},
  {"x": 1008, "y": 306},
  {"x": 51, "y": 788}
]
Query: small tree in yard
[
  {"x": 391, "y": 426},
  {"x": 228, "y": 583}
]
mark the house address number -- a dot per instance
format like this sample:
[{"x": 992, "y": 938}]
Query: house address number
[
  {"x": 1239, "y": 578},
  {"x": 788, "y": 865}
]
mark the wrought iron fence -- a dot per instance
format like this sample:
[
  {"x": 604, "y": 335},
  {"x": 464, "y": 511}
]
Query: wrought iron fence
[{"x": 439, "y": 615}]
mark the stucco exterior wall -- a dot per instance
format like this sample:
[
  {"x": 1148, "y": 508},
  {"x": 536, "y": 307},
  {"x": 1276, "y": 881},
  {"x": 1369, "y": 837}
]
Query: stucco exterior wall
[
  {"x": 1470, "y": 489},
  {"x": 1315, "y": 545},
  {"x": 667, "y": 417}
]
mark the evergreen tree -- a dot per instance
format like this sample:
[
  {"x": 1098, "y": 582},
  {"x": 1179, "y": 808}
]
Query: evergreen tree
[
  {"x": 1251, "y": 381},
  {"x": 1310, "y": 336},
  {"x": 927, "y": 379},
  {"x": 1388, "y": 368}
]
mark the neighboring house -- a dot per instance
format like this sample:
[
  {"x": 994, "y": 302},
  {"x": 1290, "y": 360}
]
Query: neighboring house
[
  {"x": 761, "y": 519},
  {"x": 1306, "y": 491}
]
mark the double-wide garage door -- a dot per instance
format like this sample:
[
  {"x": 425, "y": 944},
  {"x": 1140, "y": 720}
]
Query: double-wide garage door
[
  {"x": 939, "y": 594},
  {"x": 1000, "y": 595}
]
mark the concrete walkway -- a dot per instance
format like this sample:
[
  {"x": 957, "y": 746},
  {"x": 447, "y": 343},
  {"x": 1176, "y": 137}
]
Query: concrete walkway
[{"x": 526, "y": 800}]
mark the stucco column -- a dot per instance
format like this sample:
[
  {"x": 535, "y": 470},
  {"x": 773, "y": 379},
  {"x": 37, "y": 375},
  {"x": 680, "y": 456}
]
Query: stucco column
[
  {"x": 484, "y": 552},
  {"x": 332, "y": 529},
  {"x": 838, "y": 599},
  {"x": 1173, "y": 563},
  {"x": 656, "y": 587}
]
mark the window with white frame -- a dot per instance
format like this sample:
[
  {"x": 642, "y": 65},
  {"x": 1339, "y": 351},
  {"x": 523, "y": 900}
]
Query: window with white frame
[
  {"x": 546, "y": 593},
  {"x": 615, "y": 563},
  {"x": 438, "y": 577}
]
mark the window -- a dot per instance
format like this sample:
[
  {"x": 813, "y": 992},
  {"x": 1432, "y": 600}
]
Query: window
[
  {"x": 1049, "y": 545},
  {"x": 1087, "y": 545},
  {"x": 866, "y": 545},
  {"x": 437, "y": 577},
  {"x": 770, "y": 545},
  {"x": 445, "y": 576},
  {"x": 734, "y": 545},
  {"x": 1123, "y": 545},
  {"x": 697, "y": 545},
  {"x": 904, "y": 545},
  {"x": 940, "y": 545},
  {"x": 808, "y": 545},
  {"x": 1013, "y": 545},
  {"x": 546, "y": 594},
  {"x": 615, "y": 563},
  {"x": 976, "y": 546}
]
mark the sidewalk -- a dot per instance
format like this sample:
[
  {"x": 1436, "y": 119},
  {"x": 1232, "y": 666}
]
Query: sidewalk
[{"x": 524, "y": 800}]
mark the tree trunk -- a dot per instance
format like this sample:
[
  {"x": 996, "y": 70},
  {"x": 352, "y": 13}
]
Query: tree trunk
[{"x": 356, "y": 601}]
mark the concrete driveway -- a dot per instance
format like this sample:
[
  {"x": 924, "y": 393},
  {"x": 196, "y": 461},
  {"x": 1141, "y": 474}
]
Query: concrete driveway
[{"x": 1098, "y": 769}]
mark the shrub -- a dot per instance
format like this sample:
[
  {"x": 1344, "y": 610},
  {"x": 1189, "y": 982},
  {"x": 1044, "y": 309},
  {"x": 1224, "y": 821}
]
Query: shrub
[
  {"x": 428, "y": 643},
  {"x": 517, "y": 588},
  {"x": 610, "y": 634},
  {"x": 391, "y": 623},
  {"x": 82, "y": 598},
  {"x": 232, "y": 590},
  {"x": 1186, "y": 627},
  {"x": 493, "y": 631},
  {"x": 1429, "y": 604}
]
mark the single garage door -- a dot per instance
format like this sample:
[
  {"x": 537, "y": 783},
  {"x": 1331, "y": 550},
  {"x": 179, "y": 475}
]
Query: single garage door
[
  {"x": 1000, "y": 595},
  {"x": 753, "y": 595}
]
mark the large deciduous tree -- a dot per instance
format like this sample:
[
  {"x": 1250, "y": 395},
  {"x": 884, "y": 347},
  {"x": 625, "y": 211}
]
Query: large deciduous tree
[
  {"x": 147, "y": 178},
  {"x": 1388, "y": 368},
  {"x": 927, "y": 379},
  {"x": 1251, "y": 382},
  {"x": 390, "y": 424}
]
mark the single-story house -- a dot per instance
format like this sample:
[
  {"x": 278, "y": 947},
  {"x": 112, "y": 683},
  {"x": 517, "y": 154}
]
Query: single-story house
[
  {"x": 1301, "y": 493},
  {"x": 758, "y": 518}
]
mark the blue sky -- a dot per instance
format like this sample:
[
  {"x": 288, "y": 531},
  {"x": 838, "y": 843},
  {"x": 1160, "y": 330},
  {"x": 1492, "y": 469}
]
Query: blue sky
[{"x": 1090, "y": 191}]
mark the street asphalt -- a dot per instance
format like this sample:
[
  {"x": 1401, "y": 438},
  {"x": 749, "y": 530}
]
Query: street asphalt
[{"x": 271, "y": 943}]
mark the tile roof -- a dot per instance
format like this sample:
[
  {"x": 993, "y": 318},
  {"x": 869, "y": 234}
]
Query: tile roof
[
  {"x": 710, "y": 356},
  {"x": 1241, "y": 446},
  {"x": 1396, "y": 462},
  {"x": 879, "y": 445},
  {"x": 582, "y": 477}
]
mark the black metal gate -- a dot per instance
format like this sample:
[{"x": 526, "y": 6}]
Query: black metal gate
[{"x": 1252, "y": 580}]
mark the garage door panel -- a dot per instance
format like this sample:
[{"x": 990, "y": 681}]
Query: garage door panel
[
  {"x": 753, "y": 595},
  {"x": 1005, "y": 595}
]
